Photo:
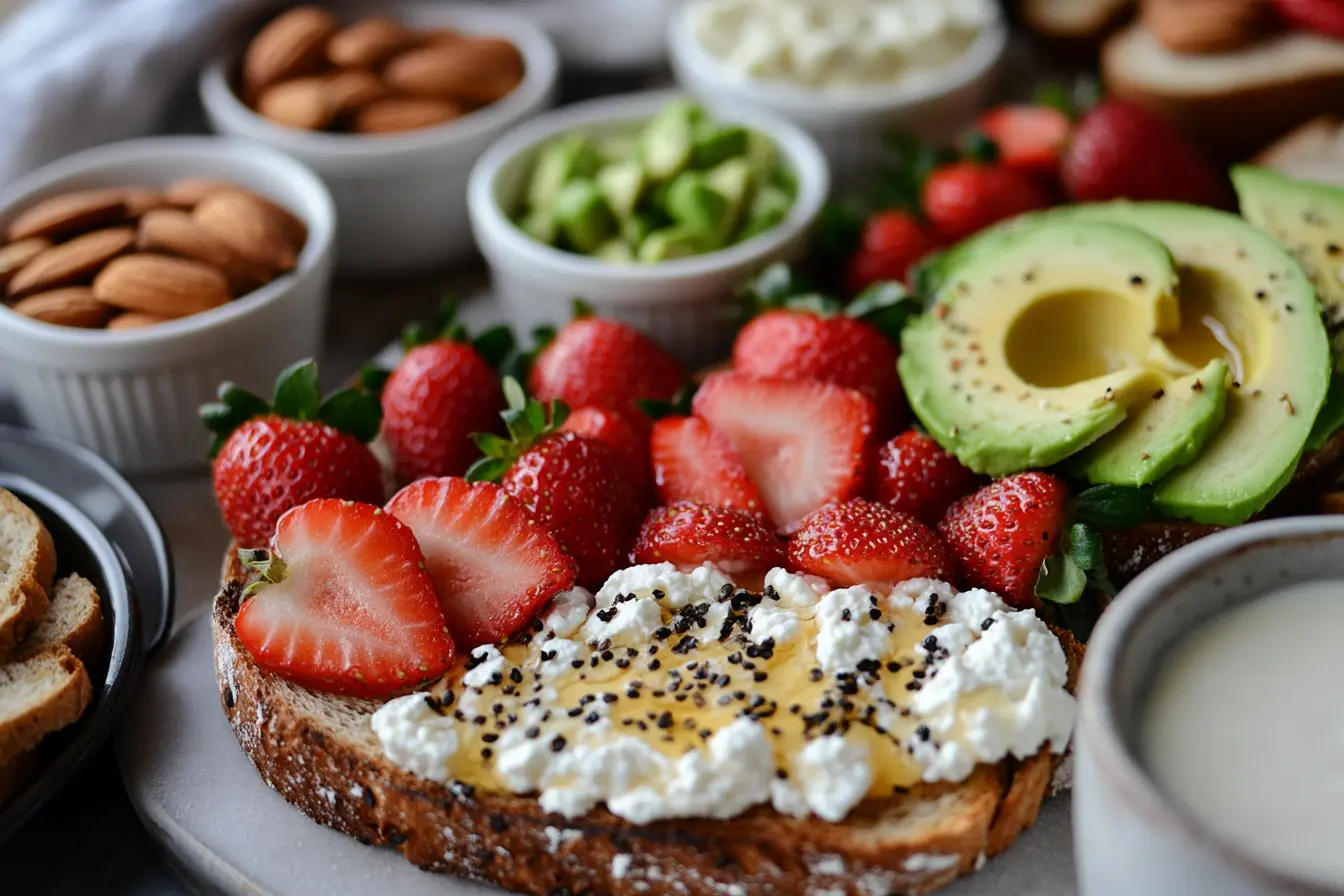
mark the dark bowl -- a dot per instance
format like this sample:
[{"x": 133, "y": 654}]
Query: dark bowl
[{"x": 81, "y": 547}]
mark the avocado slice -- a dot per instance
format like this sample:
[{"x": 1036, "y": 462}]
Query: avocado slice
[
  {"x": 667, "y": 142},
  {"x": 670, "y": 243},
  {"x": 636, "y": 228},
  {"x": 1266, "y": 305},
  {"x": 1035, "y": 349},
  {"x": 540, "y": 225},
  {"x": 622, "y": 185},
  {"x": 616, "y": 251},
  {"x": 716, "y": 143},
  {"x": 733, "y": 181},
  {"x": 570, "y": 157},
  {"x": 583, "y": 217},
  {"x": 769, "y": 207},
  {"x": 698, "y": 207},
  {"x": 1164, "y": 433}
]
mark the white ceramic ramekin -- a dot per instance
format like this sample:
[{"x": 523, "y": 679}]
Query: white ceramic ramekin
[
  {"x": 1130, "y": 838},
  {"x": 685, "y": 303},
  {"x": 401, "y": 199},
  {"x": 850, "y": 125},
  {"x": 133, "y": 395}
]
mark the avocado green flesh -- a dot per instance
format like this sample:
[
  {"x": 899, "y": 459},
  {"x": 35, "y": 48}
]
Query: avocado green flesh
[
  {"x": 583, "y": 216},
  {"x": 567, "y": 159},
  {"x": 977, "y": 368},
  {"x": 1264, "y": 300},
  {"x": 668, "y": 141},
  {"x": 1167, "y": 432}
]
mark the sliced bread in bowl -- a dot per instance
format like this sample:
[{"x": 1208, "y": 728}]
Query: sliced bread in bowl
[{"x": 27, "y": 567}]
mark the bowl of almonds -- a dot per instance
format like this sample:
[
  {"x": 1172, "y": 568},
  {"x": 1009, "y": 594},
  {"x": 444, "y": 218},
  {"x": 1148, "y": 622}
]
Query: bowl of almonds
[
  {"x": 391, "y": 103},
  {"x": 136, "y": 276}
]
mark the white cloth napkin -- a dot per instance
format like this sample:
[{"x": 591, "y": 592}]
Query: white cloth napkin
[{"x": 77, "y": 73}]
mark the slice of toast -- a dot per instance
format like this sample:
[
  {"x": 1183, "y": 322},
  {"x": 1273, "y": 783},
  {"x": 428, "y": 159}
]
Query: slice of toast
[
  {"x": 74, "y": 619},
  {"x": 1232, "y": 104},
  {"x": 319, "y": 752},
  {"x": 27, "y": 566},
  {"x": 1076, "y": 27},
  {"x": 1315, "y": 151},
  {"x": 40, "y": 695}
]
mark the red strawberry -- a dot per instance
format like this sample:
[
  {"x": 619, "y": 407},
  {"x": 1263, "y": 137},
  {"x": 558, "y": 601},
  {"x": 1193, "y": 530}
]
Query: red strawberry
[
  {"x": 916, "y": 476},
  {"x": 1029, "y": 138},
  {"x": 268, "y": 460},
  {"x": 621, "y": 435},
  {"x": 572, "y": 484},
  {"x": 892, "y": 243},
  {"x": 442, "y": 391},
  {"x": 1123, "y": 151},
  {"x": 492, "y": 564},
  {"x": 862, "y": 542},
  {"x": 966, "y": 197},
  {"x": 692, "y": 461},
  {"x": 345, "y": 604},
  {"x": 803, "y": 443},
  {"x": 1322, "y": 16},
  {"x": 605, "y": 364},
  {"x": 688, "y": 534},
  {"x": 1000, "y": 535},
  {"x": 803, "y": 345}
]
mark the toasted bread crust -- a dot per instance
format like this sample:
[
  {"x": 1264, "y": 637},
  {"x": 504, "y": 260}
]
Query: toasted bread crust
[
  {"x": 63, "y": 707},
  {"x": 29, "y": 605},
  {"x": 509, "y": 841}
]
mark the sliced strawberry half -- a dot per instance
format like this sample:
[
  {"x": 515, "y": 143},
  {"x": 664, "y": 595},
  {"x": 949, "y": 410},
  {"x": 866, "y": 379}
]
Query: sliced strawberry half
[
  {"x": 864, "y": 543},
  {"x": 804, "y": 443},
  {"x": 692, "y": 461},
  {"x": 344, "y": 603},
  {"x": 492, "y": 564},
  {"x": 688, "y": 534}
]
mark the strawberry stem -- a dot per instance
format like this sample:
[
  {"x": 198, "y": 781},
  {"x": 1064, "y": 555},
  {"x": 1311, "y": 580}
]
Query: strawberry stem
[
  {"x": 528, "y": 421},
  {"x": 269, "y": 568}
]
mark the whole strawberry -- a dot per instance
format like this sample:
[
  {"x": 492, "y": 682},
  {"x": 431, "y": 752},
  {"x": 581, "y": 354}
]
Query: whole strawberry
[
  {"x": 607, "y": 364},
  {"x": 441, "y": 392},
  {"x": 916, "y": 476},
  {"x": 688, "y": 534},
  {"x": 572, "y": 484},
  {"x": 270, "y": 458},
  {"x": 1030, "y": 138},
  {"x": 622, "y": 436},
  {"x": 892, "y": 243},
  {"x": 1000, "y": 536},
  {"x": 832, "y": 348},
  {"x": 1123, "y": 151},
  {"x": 964, "y": 198},
  {"x": 862, "y": 542}
]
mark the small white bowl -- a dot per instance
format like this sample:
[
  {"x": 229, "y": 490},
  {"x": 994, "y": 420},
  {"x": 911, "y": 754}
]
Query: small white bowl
[
  {"x": 684, "y": 303},
  {"x": 133, "y": 395},
  {"x": 850, "y": 124},
  {"x": 401, "y": 199}
]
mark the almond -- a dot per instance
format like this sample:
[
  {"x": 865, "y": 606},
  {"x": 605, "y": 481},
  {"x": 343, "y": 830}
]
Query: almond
[
  {"x": 367, "y": 42},
  {"x": 1205, "y": 26},
  {"x": 175, "y": 232},
  {"x": 293, "y": 44},
  {"x": 188, "y": 191},
  {"x": 473, "y": 70},
  {"x": 16, "y": 255},
  {"x": 73, "y": 306},
  {"x": 140, "y": 200},
  {"x": 395, "y": 114},
  {"x": 171, "y": 287},
  {"x": 71, "y": 262},
  {"x": 440, "y": 36},
  {"x": 352, "y": 90},
  {"x": 302, "y": 103},
  {"x": 67, "y": 214},
  {"x": 134, "y": 320},
  {"x": 250, "y": 226}
]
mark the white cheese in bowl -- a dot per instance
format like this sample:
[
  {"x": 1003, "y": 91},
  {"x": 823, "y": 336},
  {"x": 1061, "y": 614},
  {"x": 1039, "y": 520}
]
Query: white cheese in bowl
[{"x": 839, "y": 43}]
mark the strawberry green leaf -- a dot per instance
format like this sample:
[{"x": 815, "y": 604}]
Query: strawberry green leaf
[
  {"x": 771, "y": 288},
  {"x": 488, "y": 469},
  {"x": 520, "y": 425},
  {"x": 1330, "y": 419},
  {"x": 268, "y": 567},
  {"x": 244, "y": 403},
  {"x": 559, "y": 413},
  {"x": 1087, "y": 92},
  {"x": 372, "y": 379},
  {"x": 491, "y": 445},
  {"x": 816, "y": 303},
  {"x": 416, "y": 334},
  {"x": 514, "y": 394},
  {"x": 838, "y": 232},
  {"x": 888, "y": 306},
  {"x": 679, "y": 406},
  {"x": 1060, "y": 581},
  {"x": 980, "y": 147},
  {"x": 581, "y": 309},
  {"x": 1085, "y": 545},
  {"x": 296, "y": 392},
  {"x": 536, "y": 415},
  {"x": 219, "y": 417},
  {"x": 1114, "y": 506},
  {"x": 446, "y": 314},
  {"x": 1054, "y": 96},
  {"x": 354, "y": 412},
  {"x": 495, "y": 345}
]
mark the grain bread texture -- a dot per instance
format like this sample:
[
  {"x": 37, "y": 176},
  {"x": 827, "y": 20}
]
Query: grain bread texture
[
  {"x": 27, "y": 567},
  {"x": 40, "y": 695},
  {"x": 1232, "y": 104},
  {"x": 74, "y": 619},
  {"x": 1314, "y": 151},
  {"x": 319, "y": 752},
  {"x": 1076, "y": 28}
]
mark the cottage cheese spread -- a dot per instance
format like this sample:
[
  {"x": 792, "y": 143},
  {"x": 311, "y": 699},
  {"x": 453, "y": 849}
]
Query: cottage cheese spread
[
  {"x": 839, "y": 43},
  {"x": 673, "y": 694}
]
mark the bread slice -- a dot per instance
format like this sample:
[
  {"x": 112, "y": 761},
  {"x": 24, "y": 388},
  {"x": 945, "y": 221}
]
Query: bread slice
[
  {"x": 75, "y": 619},
  {"x": 319, "y": 752},
  {"x": 1315, "y": 151},
  {"x": 1076, "y": 27},
  {"x": 1232, "y": 104},
  {"x": 40, "y": 695},
  {"x": 27, "y": 566}
]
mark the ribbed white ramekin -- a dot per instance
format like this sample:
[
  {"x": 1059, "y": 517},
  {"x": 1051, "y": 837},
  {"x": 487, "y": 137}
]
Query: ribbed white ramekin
[{"x": 133, "y": 395}]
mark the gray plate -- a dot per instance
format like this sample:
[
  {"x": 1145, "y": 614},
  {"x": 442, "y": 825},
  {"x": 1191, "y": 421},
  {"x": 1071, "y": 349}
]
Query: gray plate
[
  {"x": 229, "y": 833},
  {"x": 90, "y": 483}
]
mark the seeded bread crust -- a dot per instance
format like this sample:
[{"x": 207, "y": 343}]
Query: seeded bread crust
[
  {"x": 319, "y": 753},
  {"x": 27, "y": 567}
]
